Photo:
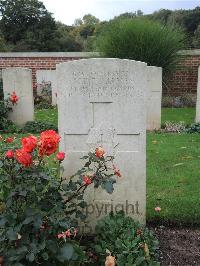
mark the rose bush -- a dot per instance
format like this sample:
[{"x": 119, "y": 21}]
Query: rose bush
[
  {"x": 40, "y": 209},
  {"x": 6, "y": 106}
]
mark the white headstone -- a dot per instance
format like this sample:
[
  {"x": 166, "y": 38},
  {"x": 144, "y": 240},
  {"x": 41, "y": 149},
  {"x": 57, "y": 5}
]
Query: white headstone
[
  {"x": 47, "y": 78},
  {"x": 154, "y": 97},
  {"x": 20, "y": 81},
  {"x": 102, "y": 102},
  {"x": 198, "y": 99}
]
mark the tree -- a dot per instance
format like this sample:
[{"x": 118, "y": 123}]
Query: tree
[
  {"x": 84, "y": 31},
  {"x": 162, "y": 15},
  {"x": 196, "y": 39},
  {"x": 29, "y": 24}
]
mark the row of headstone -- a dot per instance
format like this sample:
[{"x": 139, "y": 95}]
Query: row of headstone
[
  {"x": 101, "y": 102},
  {"x": 20, "y": 81}
]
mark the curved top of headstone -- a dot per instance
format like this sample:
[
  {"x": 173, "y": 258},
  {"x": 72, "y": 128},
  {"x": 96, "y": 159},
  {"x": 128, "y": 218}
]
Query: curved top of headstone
[
  {"x": 97, "y": 61},
  {"x": 16, "y": 69}
]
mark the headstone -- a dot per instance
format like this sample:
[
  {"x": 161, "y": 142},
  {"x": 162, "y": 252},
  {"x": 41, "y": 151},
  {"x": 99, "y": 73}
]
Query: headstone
[
  {"x": 154, "y": 97},
  {"x": 20, "y": 81},
  {"x": 101, "y": 102},
  {"x": 198, "y": 99},
  {"x": 46, "y": 80}
]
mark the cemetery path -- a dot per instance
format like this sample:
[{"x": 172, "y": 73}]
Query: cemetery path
[{"x": 178, "y": 246}]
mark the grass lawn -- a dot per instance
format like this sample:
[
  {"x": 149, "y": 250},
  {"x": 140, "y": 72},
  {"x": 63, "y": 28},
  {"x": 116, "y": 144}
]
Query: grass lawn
[
  {"x": 173, "y": 177},
  {"x": 173, "y": 170},
  {"x": 186, "y": 115}
]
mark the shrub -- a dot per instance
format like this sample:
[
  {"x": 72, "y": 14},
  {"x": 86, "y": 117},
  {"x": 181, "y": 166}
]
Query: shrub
[
  {"x": 194, "y": 128},
  {"x": 41, "y": 208},
  {"x": 6, "y": 125},
  {"x": 128, "y": 241},
  {"x": 142, "y": 40},
  {"x": 186, "y": 100},
  {"x": 38, "y": 126},
  {"x": 41, "y": 102}
]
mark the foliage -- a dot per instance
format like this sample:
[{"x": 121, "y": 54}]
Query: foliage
[
  {"x": 38, "y": 126},
  {"x": 187, "y": 100},
  {"x": 129, "y": 242},
  {"x": 27, "y": 25},
  {"x": 44, "y": 98},
  {"x": 41, "y": 208},
  {"x": 142, "y": 40},
  {"x": 188, "y": 20},
  {"x": 5, "y": 124},
  {"x": 196, "y": 38},
  {"x": 194, "y": 128}
]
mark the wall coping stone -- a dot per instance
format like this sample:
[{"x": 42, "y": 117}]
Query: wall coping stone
[
  {"x": 76, "y": 54},
  {"x": 50, "y": 54},
  {"x": 189, "y": 52}
]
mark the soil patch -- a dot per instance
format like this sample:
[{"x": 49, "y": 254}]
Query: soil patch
[{"x": 178, "y": 246}]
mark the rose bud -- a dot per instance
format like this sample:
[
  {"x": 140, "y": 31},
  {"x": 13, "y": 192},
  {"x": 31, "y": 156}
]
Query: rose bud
[
  {"x": 10, "y": 154},
  {"x": 9, "y": 139},
  {"x": 60, "y": 156}
]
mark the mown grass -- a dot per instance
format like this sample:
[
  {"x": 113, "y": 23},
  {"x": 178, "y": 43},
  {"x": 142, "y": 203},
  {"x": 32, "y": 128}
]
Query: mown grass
[
  {"x": 186, "y": 115},
  {"x": 173, "y": 170},
  {"x": 173, "y": 178}
]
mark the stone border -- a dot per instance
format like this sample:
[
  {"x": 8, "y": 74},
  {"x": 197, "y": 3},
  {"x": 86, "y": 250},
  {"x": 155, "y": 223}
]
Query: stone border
[
  {"x": 76, "y": 54},
  {"x": 189, "y": 52},
  {"x": 50, "y": 54}
]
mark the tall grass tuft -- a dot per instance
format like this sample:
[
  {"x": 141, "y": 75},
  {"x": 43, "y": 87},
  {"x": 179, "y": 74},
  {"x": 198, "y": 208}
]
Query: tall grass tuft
[{"x": 142, "y": 40}]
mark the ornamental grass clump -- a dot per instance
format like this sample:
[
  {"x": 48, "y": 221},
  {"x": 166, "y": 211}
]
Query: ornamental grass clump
[
  {"x": 142, "y": 40},
  {"x": 40, "y": 208}
]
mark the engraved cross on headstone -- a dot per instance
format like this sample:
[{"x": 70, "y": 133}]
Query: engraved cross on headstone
[{"x": 102, "y": 133}]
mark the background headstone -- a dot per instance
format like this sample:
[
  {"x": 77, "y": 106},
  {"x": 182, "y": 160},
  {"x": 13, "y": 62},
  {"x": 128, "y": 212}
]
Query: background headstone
[
  {"x": 47, "y": 79},
  {"x": 198, "y": 98},
  {"x": 154, "y": 97},
  {"x": 20, "y": 81},
  {"x": 102, "y": 102}
]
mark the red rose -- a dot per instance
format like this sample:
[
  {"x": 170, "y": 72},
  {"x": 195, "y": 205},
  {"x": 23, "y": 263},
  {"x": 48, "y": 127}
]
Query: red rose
[
  {"x": 23, "y": 158},
  {"x": 9, "y": 140},
  {"x": 60, "y": 156},
  {"x": 87, "y": 180},
  {"x": 10, "y": 154},
  {"x": 48, "y": 142},
  {"x": 29, "y": 143},
  {"x": 99, "y": 152},
  {"x": 14, "y": 98}
]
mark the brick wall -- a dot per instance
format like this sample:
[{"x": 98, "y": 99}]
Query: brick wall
[
  {"x": 37, "y": 61},
  {"x": 183, "y": 80}
]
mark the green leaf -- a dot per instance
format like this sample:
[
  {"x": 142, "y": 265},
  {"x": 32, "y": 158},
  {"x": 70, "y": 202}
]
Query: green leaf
[
  {"x": 45, "y": 256},
  {"x": 11, "y": 234},
  {"x": 139, "y": 260},
  {"x": 109, "y": 187},
  {"x": 30, "y": 257},
  {"x": 66, "y": 252}
]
